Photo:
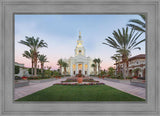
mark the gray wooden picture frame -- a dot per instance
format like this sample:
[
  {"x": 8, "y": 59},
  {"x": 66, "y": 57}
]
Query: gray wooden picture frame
[{"x": 10, "y": 7}]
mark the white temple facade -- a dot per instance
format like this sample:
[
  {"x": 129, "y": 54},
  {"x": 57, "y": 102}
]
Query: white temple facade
[{"x": 79, "y": 64}]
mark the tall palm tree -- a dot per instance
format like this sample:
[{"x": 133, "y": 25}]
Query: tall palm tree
[
  {"x": 29, "y": 55},
  {"x": 124, "y": 42},
  {"x": 137, "y": 24},
  {"x": 99, "y": 62},
  {"x": 34, "y": 44},
  {"x": 95, "y": 62},
  {"x": 116, "y": 58},
  {"x": 42, "y": 59},
  {"x": 94, "y": 67},
  {"x": 60, "y": 63},
  {"x": 65, "y": 65}
]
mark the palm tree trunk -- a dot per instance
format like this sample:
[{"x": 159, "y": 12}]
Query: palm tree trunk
[
  {"x": 124, "y": 72},
  {"x": 127, "y": 67},
  {"x": 32, "y": 67},
  {"x": 64, "y": 71},
  {"x": 41, "y": 68},
  {"x": 35, "y": 66},
  {"x": 61, "y": 70},
  {"x": 98, "y": 68}
]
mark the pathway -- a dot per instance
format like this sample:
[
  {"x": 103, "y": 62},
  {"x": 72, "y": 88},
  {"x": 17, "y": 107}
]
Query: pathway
[
  {"x": 32, "y": 88},
  {"x": 134, "y": 90}
]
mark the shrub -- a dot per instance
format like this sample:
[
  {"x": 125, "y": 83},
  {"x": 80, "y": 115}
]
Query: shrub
[
  {"x": 17, "y": 78},
  {"x": 128, "y": 77}
]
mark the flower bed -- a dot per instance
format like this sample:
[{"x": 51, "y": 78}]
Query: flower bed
[
  {"x": 78, "y": 84},
  {"x": 74, "y": 79}
]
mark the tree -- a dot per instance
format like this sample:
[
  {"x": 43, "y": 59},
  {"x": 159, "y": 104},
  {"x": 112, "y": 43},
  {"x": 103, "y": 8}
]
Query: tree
[
  {"x": 42, "y": 59},
  {"x": 60, "y": 63},
  {"x": 99, "y": 62},
  {"x": 65, "y": 65},
  {"x": 111, "y": 71},
  {"x": 94, "y": 67},
  {"x": 17, "y": 69},
  {"x": 29, "y": 55},
  {"x": 137, "y": 24},
  {"x": 136, "y": 71},
  {"x": 124, "y": 41},
  {"x": 48, "y": 72},
  {"x": 34, "y": 45},
  {"x": 116, "y": 58}
]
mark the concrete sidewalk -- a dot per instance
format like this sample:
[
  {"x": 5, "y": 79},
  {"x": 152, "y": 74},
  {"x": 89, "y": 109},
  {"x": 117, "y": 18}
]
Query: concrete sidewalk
[
  {"x": 136, "y": 91},
  {"x": 34, "y": 87}
]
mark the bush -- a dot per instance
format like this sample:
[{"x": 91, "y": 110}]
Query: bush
[
  {"x": 37, "y": 78},
  {"x": 38, "y": 71},
  {"x": 17, "y": 78},
  {"x": 128, "y": 77}
]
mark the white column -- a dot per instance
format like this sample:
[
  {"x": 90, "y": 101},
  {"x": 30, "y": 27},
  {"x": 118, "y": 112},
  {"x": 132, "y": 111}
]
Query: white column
[
  {"x": 71, "y": 69},
  {"x": 76, "y": 68},
  {"x": 83, "y": 69},
  {"x": 88, "y": 69},
  {"x": 97, "y": 68},
  {"x": 62, "y": 71}
]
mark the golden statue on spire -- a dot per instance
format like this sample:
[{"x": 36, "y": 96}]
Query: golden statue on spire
[{"x": 79, "y": 35}]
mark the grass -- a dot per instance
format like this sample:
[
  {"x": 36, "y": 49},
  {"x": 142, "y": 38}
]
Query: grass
[{"x": 80, "y": 93}]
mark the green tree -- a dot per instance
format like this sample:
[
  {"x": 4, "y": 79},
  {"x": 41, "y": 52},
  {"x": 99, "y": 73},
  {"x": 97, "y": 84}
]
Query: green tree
[
  {"x": 29, "y": 55},
  {"x": 17, "y": 69},
  {"x": 136, "y": 71},
  {"x": 48, "y": 72},
  {"x": 60, "y": 63},
  {"x": 42, "y": 59},
  {"x": 99, "y": 62},
  {"x": 116, "y": 58},
  {"x": 124, "y": 41},
  {"x": 94, "y": 67},
  {"x": 111, "y": 71},
  {"x": 139, "y": 25},
  {"x": 34, "y": 44},
  {"x": 65, "y": 65}
]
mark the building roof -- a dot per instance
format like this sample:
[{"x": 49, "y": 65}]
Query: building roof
[{"x": 140, "y": 56}]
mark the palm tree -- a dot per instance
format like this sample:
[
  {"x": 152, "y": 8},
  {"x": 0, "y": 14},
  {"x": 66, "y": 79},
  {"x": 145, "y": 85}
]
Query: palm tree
[
  {"x": 124, "y": 42},
  {"x": 116, "y": 58},
  {"x": 34, "y": 45},
  {"x": 95, "y": 62},
  {"x": 94, "y": 66},
  {"x": 99, "y": 62},
  {"x": 65, "y": 65},
  {"x": 29, "y": 55},
  {"x": 137, "y": 24},
  {"x": 60, "y": 63},
  {"x": 42, "y": 59}
]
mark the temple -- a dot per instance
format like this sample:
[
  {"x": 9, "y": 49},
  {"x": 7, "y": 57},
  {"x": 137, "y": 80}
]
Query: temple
[{"x": 79, "y": 64}]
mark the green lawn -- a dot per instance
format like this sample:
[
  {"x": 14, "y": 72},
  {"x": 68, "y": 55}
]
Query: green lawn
[{"x": 80, "y": 93}]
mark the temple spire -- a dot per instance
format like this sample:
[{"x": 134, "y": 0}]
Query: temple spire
[{"x": 80, "y": 35}]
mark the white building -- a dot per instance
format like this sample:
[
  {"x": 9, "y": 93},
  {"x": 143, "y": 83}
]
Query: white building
[
  {"x": 22, "y": 70},
  {"x": 135, "y": 62},
  {"x": 79, "y": 64}
]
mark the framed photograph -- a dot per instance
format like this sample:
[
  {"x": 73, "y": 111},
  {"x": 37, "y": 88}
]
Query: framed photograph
[{"x": 79, "y": 57}]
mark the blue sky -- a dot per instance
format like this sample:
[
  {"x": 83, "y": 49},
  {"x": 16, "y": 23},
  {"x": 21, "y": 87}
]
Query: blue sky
[{"x": 61, "y": 33}]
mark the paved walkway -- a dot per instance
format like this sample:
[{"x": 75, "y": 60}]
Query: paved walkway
[
  {"x": 134, "y": 90},
  {"x": 33, "y": 87}
]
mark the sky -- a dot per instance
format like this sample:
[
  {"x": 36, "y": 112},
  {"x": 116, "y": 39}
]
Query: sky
[{"x": 61, "y": 33}]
